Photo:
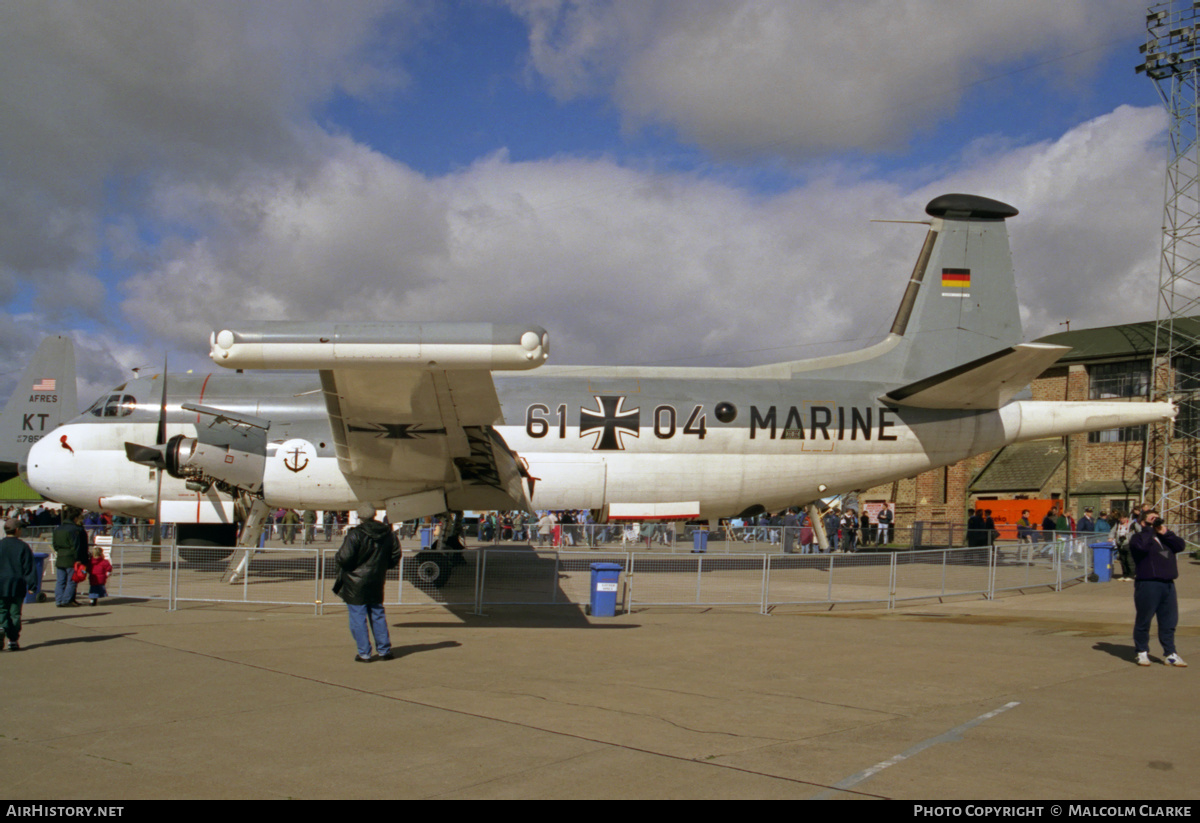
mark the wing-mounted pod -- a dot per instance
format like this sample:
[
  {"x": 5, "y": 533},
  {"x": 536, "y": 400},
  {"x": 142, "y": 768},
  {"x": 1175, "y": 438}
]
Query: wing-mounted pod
[
  {"x": 229, "y": 449},
  {"x": 421, "y": 346}
]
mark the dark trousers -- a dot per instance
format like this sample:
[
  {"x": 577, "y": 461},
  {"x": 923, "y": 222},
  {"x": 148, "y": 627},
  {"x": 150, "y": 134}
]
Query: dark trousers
[
  {"x": 1126, "y": 558},
  {"x": 10, "y": 617},
  {"x": 1155, "y": 599}
]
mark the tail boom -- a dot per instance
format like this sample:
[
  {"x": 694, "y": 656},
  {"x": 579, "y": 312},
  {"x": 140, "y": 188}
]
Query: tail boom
[{"x": 1034, "y": 419}]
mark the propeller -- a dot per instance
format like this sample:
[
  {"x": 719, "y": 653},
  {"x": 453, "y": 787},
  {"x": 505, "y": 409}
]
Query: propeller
[
  {"x": 161, "y": 442},
  {"x": 155, "y": 456}
]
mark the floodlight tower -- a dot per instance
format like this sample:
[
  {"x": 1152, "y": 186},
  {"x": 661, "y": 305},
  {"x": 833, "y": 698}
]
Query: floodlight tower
[{"x": 1172, "y": 61}]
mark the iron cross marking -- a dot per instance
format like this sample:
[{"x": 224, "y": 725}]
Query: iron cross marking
[
  {"x": 611, "y": 422},
  {"x": 397, "y": 431}
]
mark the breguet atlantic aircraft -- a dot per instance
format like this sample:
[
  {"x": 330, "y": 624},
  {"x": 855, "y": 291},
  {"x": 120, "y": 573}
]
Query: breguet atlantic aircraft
[{"x": 423, "y": 418}]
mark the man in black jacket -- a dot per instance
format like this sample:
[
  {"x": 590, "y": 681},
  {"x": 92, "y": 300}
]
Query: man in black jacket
[
  {"x": 369, "y": 550},
  {"x": 1154, "y": 549},
  {"x": 17, "y": 576},
  {"x": 977, "y": 533}
]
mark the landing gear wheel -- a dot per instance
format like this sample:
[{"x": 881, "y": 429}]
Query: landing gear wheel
[{"x": 432, "y": 569}]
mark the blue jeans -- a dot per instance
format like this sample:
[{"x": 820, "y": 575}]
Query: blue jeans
[
  {"x": 360, "y": 616},
  {"x": 1155, "y": 598},
  {"x": 64, "y": 586}
]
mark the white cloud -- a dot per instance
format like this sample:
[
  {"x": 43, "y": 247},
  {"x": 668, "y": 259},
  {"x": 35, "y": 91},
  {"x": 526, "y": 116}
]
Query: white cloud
[
  {"x": 103, "y": 102},
  {"x": 618, "y": 263},
  {"x": 806, "y": 76},
  {"x": 632, "y": 266},
  {"x": 1086, "y": 245}
]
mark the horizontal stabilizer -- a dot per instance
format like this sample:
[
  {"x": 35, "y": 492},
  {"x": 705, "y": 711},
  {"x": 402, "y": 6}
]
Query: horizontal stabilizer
[{"x": 987, "y": 383}]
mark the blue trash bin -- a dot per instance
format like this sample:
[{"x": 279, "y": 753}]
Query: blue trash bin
[
  {"x": 39, "y": 566},
  {"x": 1102, "y": 558},
  {"x": 606, "y": 579},
  {"x": 699, "y": 541},
  {"x": 426, "y": 536}
]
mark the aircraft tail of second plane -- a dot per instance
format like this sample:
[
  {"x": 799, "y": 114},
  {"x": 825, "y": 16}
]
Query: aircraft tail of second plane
[{"x": 44, "y": 398}]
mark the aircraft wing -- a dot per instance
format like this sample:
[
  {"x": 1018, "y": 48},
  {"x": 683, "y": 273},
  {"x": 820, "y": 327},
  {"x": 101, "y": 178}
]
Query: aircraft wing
[
  {"x": 987, "y": 383},
  {"x": 412, "y": 405}
]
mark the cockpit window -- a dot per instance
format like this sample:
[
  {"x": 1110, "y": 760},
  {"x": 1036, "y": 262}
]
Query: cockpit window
[{"x": 113, "y": 405}]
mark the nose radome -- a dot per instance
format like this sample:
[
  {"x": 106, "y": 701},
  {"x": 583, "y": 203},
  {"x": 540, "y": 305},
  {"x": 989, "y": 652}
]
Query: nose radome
[
  {"x": 36, "y": 465},
  {"x": 47, "y": 467}
]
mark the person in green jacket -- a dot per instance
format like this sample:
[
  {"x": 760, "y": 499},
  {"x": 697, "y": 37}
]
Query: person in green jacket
[
  {"x": 290, "y": 521},
  {"x": 70, "y": 543}
]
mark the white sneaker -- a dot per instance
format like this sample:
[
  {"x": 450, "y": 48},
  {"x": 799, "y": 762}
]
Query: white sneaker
[
  {"x": 1176, "y": 660},
  {"x": 1143, "y": 658}
]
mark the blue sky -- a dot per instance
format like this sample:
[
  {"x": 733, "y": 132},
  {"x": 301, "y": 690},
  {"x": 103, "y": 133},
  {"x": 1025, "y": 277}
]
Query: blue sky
[
  {"x": 473, "y": 95},
  {"x": 654, "y": 182}
]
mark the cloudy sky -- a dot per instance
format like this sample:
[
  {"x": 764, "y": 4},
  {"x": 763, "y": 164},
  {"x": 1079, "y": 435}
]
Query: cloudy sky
[{"x": 654, "y": 181}]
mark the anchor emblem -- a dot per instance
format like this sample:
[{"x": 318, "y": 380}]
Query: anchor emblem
[{"x": 296, "y": 465}]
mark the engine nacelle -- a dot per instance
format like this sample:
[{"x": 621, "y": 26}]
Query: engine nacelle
[{"x": 189, "y": 459}]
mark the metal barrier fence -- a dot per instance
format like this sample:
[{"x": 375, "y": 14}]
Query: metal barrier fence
[
  {"x": 485, "y": 576},
  {"x": 140, "y": 571},
  {"x": 666, "y": 537},
  {"x": 650, "y": 537},
  {"x": 671, "y": 537}
]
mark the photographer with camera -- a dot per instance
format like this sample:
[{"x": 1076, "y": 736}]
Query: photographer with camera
[{"x": 1154, "y": 548}]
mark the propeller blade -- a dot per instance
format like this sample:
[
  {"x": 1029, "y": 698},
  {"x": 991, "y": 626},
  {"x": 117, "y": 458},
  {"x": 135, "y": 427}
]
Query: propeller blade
[
  {"x": 162, "y": 407},
  {"x": 156, "y": 540}
]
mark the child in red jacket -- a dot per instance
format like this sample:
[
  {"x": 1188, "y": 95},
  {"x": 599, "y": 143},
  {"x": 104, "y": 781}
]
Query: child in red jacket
[{"x": 98, "y": 575}]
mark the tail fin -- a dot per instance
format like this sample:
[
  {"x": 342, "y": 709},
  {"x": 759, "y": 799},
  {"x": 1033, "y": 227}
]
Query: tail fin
[
  {"x": 961, "y": 303},
  {"x": 43, "y": 399}
]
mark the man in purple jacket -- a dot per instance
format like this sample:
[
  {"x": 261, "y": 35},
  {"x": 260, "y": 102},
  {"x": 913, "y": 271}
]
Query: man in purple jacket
[{"x": 1154, "y": 549}]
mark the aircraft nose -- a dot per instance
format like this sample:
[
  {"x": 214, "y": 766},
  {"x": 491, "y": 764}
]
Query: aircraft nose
[{"x": 46, "y": 465}]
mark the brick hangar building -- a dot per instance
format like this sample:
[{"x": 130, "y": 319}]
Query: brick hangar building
[{"x": 1103, "y": 470}]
